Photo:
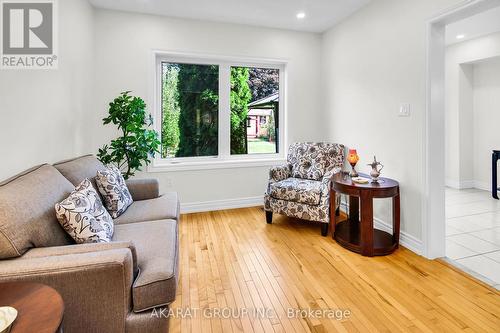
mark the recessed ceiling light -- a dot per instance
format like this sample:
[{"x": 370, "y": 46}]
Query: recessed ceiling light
[
  {"x": 301, "y": 15},
  {"x": 460, "y": 36}
]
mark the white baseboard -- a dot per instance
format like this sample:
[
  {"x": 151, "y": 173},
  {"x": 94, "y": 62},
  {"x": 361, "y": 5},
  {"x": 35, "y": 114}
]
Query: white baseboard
[
  {"x": 410, "y": 242},
  {"x": 460, "y": 185},
  {"x": 206, "y": 206},
  {"x": 482, "y": 185},
  {"x": 464, "y": 184}
]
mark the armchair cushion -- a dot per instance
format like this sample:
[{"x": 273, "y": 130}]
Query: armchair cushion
[
  {"x": 312, "y": 160},
  {"x": 297, "y": 190},
  {"x": 279, "y": 172}
]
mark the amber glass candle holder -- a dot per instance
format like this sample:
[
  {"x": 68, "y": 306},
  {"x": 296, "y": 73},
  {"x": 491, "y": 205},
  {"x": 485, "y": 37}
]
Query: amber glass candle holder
[{"x": 353, "y": 158}]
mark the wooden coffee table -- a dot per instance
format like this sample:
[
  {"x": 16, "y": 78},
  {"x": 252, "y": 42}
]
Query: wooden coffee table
[
  {"x": 357, "y": 234},
  {"x": 39, "y": 307}
]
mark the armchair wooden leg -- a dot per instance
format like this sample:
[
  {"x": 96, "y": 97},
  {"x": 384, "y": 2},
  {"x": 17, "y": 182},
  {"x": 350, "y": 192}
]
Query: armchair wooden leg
[
  {"x": 324, "y": 229},
  {"x": 269, "y": 217}
]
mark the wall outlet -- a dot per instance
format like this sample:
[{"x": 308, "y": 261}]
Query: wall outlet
[{"x": 404, "y": 110}]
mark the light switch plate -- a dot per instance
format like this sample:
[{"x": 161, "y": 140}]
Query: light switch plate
[{"x": 404, "y": 110}]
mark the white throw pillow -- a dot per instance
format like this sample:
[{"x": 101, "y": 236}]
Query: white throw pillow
[
  {"x": 83, "y": 215},
  {"x": 114, "y": 191}
]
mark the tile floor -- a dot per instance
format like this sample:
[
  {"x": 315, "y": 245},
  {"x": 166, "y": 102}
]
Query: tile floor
[{"x": 473, "y": 233}]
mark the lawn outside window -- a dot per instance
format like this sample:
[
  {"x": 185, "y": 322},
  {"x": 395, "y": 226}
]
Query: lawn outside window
[{"x": 218, "y": 112}]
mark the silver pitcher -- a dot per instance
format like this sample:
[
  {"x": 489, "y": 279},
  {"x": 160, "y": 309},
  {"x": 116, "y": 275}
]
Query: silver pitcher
[{"x": 376, "y": 168}]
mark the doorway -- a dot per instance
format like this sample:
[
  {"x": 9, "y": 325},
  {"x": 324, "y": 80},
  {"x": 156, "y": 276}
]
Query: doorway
[{"x": 450, "y": 145}]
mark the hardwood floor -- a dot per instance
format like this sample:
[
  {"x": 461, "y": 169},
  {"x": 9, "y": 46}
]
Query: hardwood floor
[{"x": 233, "y": 260}]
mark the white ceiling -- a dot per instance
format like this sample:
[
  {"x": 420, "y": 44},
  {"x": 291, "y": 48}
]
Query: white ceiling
[
  {"x": 320, "y": 14},
  {"x": 473, "y": 27}
]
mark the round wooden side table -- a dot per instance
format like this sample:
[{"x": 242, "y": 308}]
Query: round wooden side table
[
  {"x": 39, "y": 307},
  {"x": 357, "y": 234}
]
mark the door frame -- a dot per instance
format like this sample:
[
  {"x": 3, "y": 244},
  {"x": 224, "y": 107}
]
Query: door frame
[{"x": 433, "y": 204}]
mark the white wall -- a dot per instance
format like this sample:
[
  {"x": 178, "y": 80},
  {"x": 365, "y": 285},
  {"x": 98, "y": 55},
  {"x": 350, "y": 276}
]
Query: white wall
[
  {"x": 486, "y": 119},
  {"x": 465, "y": 106},
  {"x": 41, "y": 110},
  {"x": 462, "y": 131},
  {"x": 345, "y": 86},
  {"x": 373, "y": 61},
  {"x": 124, "y": 42},
  {"x": 458, "y": 123}
]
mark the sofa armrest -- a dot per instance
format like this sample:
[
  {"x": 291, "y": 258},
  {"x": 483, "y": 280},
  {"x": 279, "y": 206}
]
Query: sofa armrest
[
  {"x": 143, "y": 189},
  {"x": 83, "y": 248},
  {"x": 279, "y": 172},
  {"x": 95, "y": 286}
]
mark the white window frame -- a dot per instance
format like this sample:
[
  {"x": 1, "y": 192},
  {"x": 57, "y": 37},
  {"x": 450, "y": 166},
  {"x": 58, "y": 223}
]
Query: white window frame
[{"x": 224, "y": 158}]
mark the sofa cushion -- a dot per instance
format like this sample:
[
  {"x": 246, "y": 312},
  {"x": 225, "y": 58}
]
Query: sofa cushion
[
  {"x": 297, "y": 190},
  {"x": 165, "y": 206},
  {"x": 84, "y": 217},
  {"x": 27, "y": 216},
  {"x": 77, "y": 169},
  {"x": 114, "y": 191},
  {"x": 157, "y": 247}
]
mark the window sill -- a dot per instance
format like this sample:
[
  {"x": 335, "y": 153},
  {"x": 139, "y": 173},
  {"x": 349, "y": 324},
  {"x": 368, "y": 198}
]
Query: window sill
[{"x": 165, "y": 166}]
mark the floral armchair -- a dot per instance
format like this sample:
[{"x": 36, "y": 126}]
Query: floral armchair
[{"x": 301, "y": 188}]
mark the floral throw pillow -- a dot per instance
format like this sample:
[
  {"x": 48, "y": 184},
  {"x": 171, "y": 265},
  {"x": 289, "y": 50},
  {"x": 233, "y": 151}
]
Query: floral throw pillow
[
  {"x": 114, "y": 191},
  {"x": 83, "y": 215}
]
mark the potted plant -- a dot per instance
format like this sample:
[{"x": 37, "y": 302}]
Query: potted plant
[{"x": 137, "y": 144}]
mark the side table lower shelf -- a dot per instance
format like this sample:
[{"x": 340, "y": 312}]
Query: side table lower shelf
[{"x": 348, "y": 234}]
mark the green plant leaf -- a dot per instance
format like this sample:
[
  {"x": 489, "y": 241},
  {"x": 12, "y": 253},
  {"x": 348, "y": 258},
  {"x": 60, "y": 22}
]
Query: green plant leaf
[{"x": 137, "y": 144}]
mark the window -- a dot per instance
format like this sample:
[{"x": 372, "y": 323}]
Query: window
[
  {"x": 218, "y": 111},
  {"x": 254, "y": 95},
  {"x": 190, "y": 107}
]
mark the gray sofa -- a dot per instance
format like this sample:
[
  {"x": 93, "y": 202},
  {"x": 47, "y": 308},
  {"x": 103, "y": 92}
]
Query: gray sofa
[{"x": 106, "y": 287}]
